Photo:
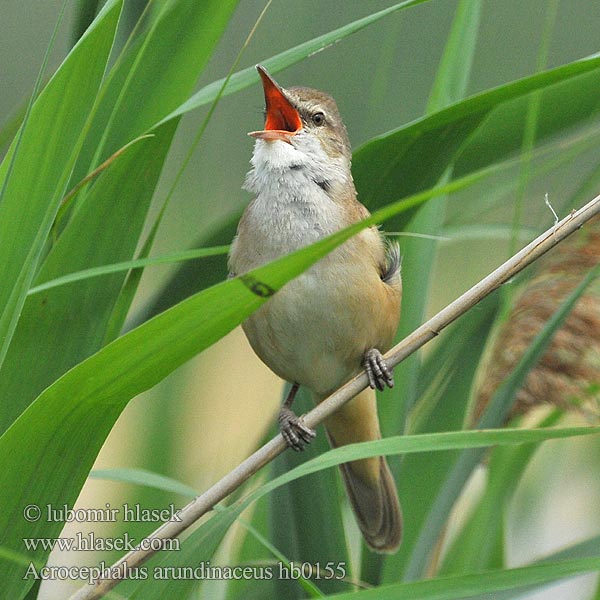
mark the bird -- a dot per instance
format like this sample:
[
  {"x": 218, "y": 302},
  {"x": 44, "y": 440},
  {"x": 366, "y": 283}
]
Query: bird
[
  {"x": 336, "y": 318},
  {"x": 567, "y": 376}
]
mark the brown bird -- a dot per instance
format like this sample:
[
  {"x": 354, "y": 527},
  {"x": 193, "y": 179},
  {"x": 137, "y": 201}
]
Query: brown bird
[
  {"x": 568, "y": 374},
  {"x": 334, "y": 320}
]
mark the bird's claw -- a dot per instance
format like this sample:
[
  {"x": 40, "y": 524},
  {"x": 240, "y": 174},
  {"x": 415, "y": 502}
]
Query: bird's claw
[
  {"x": 378, "y": 372},
  {"x": 295, "y": 433}
]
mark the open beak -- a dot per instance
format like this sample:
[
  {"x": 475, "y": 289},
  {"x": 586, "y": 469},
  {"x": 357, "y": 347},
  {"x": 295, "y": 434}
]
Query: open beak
[{"x": 283, "y": 120}]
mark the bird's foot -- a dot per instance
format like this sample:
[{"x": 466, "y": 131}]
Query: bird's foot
[
  {"x": 378, "y": 372},
  {"x": 295, "y": 433}
]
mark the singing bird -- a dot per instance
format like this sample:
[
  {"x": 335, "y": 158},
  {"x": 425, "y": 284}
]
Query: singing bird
[{"x": 336, "y": 318}]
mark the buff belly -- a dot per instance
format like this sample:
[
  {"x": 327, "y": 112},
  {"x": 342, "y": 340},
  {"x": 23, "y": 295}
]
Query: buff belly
[{"x": 316, "y": 330}]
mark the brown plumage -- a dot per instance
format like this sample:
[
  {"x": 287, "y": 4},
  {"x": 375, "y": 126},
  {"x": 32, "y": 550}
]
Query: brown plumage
[{"x": 568, "y": 374}]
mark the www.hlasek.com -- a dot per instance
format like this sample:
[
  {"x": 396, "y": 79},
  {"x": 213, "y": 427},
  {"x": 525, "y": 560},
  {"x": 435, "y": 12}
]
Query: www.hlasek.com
[
  {"x": 202, "y": 571},
  {"x": 90, "y": 542}
]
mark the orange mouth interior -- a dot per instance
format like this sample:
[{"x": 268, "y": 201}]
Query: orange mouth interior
[{"x": 281, "y": 115}]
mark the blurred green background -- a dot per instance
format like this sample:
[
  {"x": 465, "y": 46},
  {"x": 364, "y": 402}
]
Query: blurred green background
[{"x": 211, "y": 413}]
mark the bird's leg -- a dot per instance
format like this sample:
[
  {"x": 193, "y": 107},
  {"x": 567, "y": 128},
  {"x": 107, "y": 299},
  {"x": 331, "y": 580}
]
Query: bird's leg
[
  {"x": 294, "y": 431},
  {"x": 378, "y": 372}
]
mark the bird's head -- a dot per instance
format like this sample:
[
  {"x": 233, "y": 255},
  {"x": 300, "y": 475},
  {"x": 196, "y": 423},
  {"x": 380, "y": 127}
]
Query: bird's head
[{"x": 303, "y": 129}]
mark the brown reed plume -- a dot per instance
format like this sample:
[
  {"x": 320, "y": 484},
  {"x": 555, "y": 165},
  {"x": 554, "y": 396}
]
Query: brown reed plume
[{"x": 568, "y": 374}]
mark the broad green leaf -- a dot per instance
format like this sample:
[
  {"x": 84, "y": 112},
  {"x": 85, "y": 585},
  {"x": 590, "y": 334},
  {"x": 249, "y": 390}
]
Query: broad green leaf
[
  {"x": 52, "y": 445},
  {"x": 107, "y": 220},
  {"x": 161, "y": 66},
  {"x": 202, "y": 543},
  {"x": 73, "y": 317},
  {"x": 414, "y": 156},
  {"x": 494, "y": 415},
  {"x": 426, "y": 442},
  {"x": 47, "y": 146},
  {"x": 562, "y": 106},
  {"x": 130, "y": 287}
]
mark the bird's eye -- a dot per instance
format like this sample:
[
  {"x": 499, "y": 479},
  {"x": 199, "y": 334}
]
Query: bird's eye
[{"x": 318, "y": 118}]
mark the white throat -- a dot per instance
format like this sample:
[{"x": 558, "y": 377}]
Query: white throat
[
  {"x": 301, "y": 163},
  {"x": 292, "y": 207}
]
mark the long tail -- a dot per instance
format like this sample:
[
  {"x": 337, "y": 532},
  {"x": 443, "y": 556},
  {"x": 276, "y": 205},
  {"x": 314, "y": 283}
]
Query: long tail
[{"x": 369, "y": 482}]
